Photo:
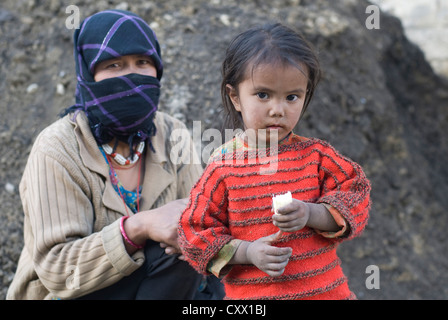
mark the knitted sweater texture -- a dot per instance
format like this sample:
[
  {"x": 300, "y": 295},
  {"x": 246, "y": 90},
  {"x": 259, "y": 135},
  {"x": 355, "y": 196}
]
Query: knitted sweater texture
[{"x": 233, "y": 200}]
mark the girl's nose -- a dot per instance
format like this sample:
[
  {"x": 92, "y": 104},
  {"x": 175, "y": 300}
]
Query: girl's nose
[{"x": 276, "y": 109}]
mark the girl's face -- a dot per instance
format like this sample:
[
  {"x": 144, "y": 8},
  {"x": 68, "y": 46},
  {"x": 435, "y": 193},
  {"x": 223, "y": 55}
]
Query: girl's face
[
  {"x": 270, "y": 100},
  {"x": 123, "y": 65}
]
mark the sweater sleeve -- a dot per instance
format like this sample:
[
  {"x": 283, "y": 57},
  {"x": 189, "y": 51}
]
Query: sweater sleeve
[
  {"x": 203, "y": 227},
  {"x": 345, "y": 187}
]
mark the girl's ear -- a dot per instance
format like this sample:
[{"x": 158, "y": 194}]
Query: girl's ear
[{"x": 233, "y": 95}]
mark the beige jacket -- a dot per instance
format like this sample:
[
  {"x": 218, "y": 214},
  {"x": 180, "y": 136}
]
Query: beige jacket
[{"x": 73, "y": 244}]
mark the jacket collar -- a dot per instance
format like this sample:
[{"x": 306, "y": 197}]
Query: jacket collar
[{"x": 156, "y": 179}]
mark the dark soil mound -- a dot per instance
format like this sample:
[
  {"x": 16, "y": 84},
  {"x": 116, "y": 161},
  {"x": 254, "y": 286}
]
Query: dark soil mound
[{"x": 379, "y": 103}]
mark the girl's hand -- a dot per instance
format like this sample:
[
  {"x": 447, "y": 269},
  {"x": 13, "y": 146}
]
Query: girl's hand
[
  {"x": 266, "y": 257},
  {"x": 292, "y": 217}
]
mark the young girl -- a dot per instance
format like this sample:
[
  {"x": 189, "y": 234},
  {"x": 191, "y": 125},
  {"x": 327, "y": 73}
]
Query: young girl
[{"x": 228, "y": 228}]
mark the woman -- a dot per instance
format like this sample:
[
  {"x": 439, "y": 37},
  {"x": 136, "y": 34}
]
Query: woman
[{"x": 90, "y": 173}]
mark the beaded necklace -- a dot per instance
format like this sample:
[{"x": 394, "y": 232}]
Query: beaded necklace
[
  {"x": 130, "y": 198},
  {"x": 122, "y": 160}
]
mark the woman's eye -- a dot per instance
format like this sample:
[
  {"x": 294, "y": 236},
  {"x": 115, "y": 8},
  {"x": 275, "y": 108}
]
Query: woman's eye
[
  {"x": 112, "y": 66},
  {"x": 262, "y": 95},
  {"x": 146, "y": 62},
  {"x": 292, "y": 97}
]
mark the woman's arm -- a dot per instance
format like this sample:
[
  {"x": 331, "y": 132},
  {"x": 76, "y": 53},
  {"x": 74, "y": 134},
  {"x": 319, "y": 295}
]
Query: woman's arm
[
  {"x": 64, "y": 245},
  {"x": 158, "y": 224}
]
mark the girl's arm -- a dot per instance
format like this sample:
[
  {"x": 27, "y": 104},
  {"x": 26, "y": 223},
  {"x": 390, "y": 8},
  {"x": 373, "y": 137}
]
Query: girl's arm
[
  {"x": 203, "y": 227},
  {"x": 343, "y": 206},
  {"x": 299, "y": 214},
  {"x": 345, "y": 191}
]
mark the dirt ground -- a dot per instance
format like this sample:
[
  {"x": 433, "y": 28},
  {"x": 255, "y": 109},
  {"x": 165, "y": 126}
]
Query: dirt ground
[{"x": 379, "y": 103}]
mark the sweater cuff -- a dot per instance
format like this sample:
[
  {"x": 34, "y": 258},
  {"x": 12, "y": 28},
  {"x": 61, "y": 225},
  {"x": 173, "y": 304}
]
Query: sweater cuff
[
  {"x": 219, "y": 266},
  {"x": 116, "y": 251},
  {"x": 340, "y": 221}
]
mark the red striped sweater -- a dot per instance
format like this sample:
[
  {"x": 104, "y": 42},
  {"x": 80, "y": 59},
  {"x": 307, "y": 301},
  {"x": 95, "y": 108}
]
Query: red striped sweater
[{"x": 233, "y": 200}]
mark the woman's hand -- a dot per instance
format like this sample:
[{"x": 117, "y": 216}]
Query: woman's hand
[
  {"x": 164, "y": 223},
  {"x": 159, "y": 225}
]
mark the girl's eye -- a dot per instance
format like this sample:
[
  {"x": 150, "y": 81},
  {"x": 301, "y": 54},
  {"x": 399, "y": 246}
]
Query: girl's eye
[
  {"x": 262, "y": 95},
  {"x": 292, "y": 97}
]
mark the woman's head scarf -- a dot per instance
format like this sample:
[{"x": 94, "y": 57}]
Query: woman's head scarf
[{"x": 123, "y": 107}]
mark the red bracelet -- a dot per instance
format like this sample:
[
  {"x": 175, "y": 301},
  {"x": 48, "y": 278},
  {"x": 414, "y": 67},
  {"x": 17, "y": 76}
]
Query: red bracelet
[{"x": 125, "y": 236}]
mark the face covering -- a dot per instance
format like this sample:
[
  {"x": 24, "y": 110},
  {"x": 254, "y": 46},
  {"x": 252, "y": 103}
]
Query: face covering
[{"x": 122, "y": 107}]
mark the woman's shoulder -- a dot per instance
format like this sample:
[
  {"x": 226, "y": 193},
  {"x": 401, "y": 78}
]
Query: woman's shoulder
[
  {"x": 60, "y": 131},
  {"x": 57, "y": 137}
]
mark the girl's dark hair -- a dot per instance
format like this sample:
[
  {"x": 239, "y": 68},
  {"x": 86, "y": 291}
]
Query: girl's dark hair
[{"x": 269, "y": 43}]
